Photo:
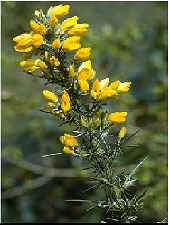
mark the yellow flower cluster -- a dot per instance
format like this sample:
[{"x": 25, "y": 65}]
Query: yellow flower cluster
[
  {"x": 40, "y": 27},
  {"x": 53, "y": 98},
  {"x": 70, "y": 142},
  {"x": 50, "y": 40},
  {"x": 27, "y": 42}
]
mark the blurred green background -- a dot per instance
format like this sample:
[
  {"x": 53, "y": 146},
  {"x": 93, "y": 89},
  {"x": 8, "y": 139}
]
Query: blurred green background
[{"x": 129, "y": 43}]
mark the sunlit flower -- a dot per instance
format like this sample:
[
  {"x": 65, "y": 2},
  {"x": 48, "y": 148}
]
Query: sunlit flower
[
  {"x": 72, "y": 43},
  {"x": 86, "y": 71},
  {"x": 24, "y": 43},
  {"x": 78, "y": 29},
  {"x": 38, "y": 28},
  {"x": 65, "y": 102},
  {"x": 54, "y": 61},
  {"x": 56, "y": 43},
  {"x": 68, "y": 150},
  {"x": 114, "y": 85},
  {"x": 69, "y": 23},
  {"x": 124, "y": 87},
  {"x": 101, "y": 90},
  {"x": 83, "y": 54},
  {"x": 69, "y": 140},
  {"x": 50, "y": 96},
  {"x": 84, "y": 85},
  {"x": 37, "y": 40},
  {"x": 31, "y": 65},
  {"x": 40, "y": 63},
  {"x": 55, "y": 12},
  {"x": 117, "y": 117}
]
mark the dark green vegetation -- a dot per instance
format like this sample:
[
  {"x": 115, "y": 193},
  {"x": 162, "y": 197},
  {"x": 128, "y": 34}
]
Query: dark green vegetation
[{"x": 129, "y": 42}]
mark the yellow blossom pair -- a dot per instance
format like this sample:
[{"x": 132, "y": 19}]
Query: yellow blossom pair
[
  {"x": 31, "y": 65},
  {"x": 65, "y": 99},
  {"x": 54, "y": 61},
  {"x": 50, "y": 96},
  {"x": 101, "y": 90},
  {"x": 38, "y": 28},
  {"x": 83, "y": 54},
  {"x": 85, "y": 73},
  {"x": 57, "y": 11},
  {"x": 70, "y": 25},
  {"x": 26, "y": 42},
  {"x": 70, "y": 142}
]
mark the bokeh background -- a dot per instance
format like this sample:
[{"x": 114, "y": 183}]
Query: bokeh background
[{"x": 129, "y": 42}]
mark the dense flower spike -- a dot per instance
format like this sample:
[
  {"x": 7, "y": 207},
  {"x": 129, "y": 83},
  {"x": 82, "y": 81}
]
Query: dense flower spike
[{"x": 52, "y": 51}]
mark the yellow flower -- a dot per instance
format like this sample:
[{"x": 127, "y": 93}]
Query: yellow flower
[
  {"x": 122, "y": 132},
  {"x": 38, "y": 28},
  {"x": 82, "y": 54},
  {"x": 107, "y": 93},
  {"x": 101, "y": 90},
  {"x": 29, "y": 65},
  {"x": 117, "y": 117},
  {"x": 68, "y": 150},
  {"x": 124, "y": 87},
  {"x": 72, "y": 43},
  {"x": 24, "y": 43},
  {"x": 69, "y": 23},
  {"x": 40, "y": 63},
  {"x": 37, "y": 40},
  {"x": 57, "y": 11},
  {"x": 56, "y": 43},
  {"x": 65, "y": 102},
  {"x": 69, "y": 140},
  {"x": 99, "y": 85},
  {"x": 85, "y": 71},
  {"x": 50, "y": 96},
  {"x": 114, "y": 85},
  {"x": 71, "y": 71},
  {"x": 78, "y": 29},
  {"x": 84, "y": 85},
  {"x": 54, "y": 61}
]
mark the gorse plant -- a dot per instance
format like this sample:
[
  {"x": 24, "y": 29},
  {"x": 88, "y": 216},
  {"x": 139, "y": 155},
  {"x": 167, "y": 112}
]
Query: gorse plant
[{"x": 52, "y": 51}]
